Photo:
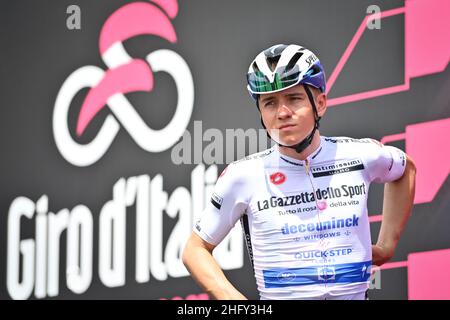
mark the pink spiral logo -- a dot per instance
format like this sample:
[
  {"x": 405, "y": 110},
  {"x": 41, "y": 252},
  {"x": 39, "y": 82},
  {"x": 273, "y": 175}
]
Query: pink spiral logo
[{"x": 125, "y": 75}]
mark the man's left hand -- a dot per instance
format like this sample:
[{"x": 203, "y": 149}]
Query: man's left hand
[{"x": 381, "y": 254}]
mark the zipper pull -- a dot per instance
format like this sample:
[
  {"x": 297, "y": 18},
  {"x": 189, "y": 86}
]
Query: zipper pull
[{"x": 307, "y": 166}]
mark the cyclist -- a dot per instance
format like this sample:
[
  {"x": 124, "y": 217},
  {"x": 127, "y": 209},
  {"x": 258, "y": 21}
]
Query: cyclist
[{"x": 303, "y": 202}]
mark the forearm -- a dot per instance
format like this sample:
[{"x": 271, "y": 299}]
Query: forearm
[
  {"x": 397, "y": 207},
  {"x": 205, "y": 270}
]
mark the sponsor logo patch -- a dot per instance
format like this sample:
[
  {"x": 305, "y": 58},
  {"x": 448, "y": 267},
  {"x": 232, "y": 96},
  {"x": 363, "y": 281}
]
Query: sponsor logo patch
[
  {"x": 216, "y": 201},
  {"x": 277, "y": 178},
  {"x": 337, "y": 168}
]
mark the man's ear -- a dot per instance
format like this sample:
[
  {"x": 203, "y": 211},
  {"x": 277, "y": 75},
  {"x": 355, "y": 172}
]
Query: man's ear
[{"x": 321, "y": 104}]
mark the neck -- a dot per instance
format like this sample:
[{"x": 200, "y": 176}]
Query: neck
[{"x": 305, "y": 153}]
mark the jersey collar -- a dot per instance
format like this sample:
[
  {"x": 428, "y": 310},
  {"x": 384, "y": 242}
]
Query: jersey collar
[{"x": 311, "y": 158}]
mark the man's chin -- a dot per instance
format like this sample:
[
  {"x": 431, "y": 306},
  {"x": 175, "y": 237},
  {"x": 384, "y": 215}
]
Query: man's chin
[
  {"x": 288, "y": 142},
  {"x": 284, "y": 139},
  {"x": 289, "y": 137}
]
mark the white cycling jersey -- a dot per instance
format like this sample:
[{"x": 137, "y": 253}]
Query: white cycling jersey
[{"x": 305, "y": 222}]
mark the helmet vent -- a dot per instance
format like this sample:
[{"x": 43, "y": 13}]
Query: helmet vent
[
  {"x": 293, "y": 60},
  {"x": 272, "y": 62},
  {"x": 255, "y": 67}
]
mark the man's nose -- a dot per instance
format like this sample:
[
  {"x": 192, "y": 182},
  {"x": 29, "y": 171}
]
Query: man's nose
[{"x": 283, "y": 111}]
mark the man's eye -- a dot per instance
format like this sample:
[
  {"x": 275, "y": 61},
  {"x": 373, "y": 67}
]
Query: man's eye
[{"x": 269, "y": 104}]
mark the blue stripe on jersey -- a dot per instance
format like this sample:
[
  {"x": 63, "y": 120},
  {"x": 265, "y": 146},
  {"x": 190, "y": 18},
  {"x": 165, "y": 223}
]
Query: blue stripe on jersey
[{"x": 321, "y": 274}]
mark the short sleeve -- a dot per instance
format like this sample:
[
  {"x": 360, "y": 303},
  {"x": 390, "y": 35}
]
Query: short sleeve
[
  {"x": 227, "y": 205},
  {"x": 385, "y": 163}
]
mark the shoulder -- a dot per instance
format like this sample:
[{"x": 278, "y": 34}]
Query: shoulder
[
  {"x": 352, "y": 142},
  {"x": 369, "y": 150},
  {"x": 254, "y": 157},
  {"x": 244, "y": 170},
  {"x": 382, "y": 163},
  {"x": 252, "y": 162},
  {"x": 346, "y": 147}
]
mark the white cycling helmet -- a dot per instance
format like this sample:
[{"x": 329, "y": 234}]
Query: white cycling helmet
[{"x": 284, "y": 66}]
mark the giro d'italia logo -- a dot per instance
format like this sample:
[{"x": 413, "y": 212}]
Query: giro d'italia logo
[{"x": 124, "y": 75}]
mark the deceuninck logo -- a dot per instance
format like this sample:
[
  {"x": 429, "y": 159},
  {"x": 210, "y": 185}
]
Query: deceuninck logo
[{"x": 125, "y": 74}]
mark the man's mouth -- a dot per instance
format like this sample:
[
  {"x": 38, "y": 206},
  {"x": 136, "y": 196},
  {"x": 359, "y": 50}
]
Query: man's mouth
[{"x": 286, "y": 126}]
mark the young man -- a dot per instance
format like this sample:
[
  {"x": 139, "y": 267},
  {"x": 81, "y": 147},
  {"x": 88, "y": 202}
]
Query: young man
[{"x": 303, "y": 202}]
